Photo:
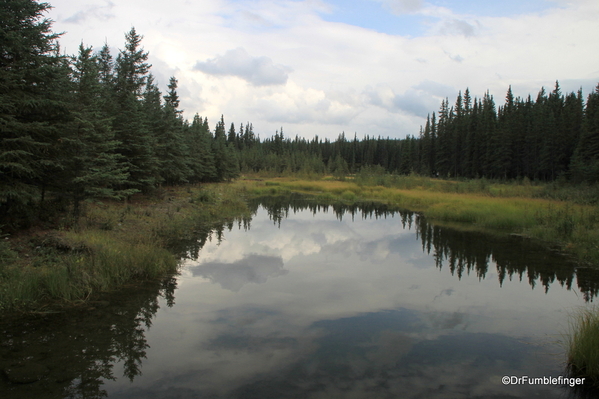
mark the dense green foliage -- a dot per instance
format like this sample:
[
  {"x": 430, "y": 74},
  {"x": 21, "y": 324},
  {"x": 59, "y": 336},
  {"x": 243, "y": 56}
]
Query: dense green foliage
[
  {"x": 94, "y": 126},
  {"x": 31, "y": 104}
]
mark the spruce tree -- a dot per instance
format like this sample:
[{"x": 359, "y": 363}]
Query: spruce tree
[
  {"x": 459, "y": 132},
  {"x": 232, "y": 135},
  {"x": 154, "y": 125},
  {"x": 542, "y": 126},
  {"x": 137, "y": 142},
  {"x": 31, "y": 105},
  {"x": 531, "y": 140},
  {"x": 572, "y": 122},
  {"x": 174, "y": 153},
  {"x": 107, "y": 80},
  {"x": 500, "y": 148},
  {"x": 552, "y": 154},
  {"x": 199, "y": 142},
  {"x": 90, "y": 167},
  {"x": 339, "y": 167},
  {"x": 488, "y": 126},
  {"x": 226, "y": 161},
  {"x": 444, "y": 142},
  {"x": 585, "y": 165},
  {"x": 426, "y": 148}
]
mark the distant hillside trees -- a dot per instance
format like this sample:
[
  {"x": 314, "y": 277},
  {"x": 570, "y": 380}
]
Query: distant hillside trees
[{"x": 522, "y": 138}]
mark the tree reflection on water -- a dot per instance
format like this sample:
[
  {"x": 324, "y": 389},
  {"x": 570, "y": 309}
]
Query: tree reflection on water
[
  {"x": 69, "y": 354},
  {"x": 463, "y": 252}
]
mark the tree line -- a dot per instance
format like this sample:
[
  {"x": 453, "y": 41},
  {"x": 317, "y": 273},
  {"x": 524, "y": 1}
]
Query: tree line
[
  {"x": 95, "y": 126},
  {"x": 550, "y": 137},
  {"x": 544, "y": 139}
]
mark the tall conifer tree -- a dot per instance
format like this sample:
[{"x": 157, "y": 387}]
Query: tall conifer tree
[
  {"x": 586, "y": 159},
  {"x": 137, "y": 142},
  {"x": 174, "y": 154},
  {"x": 31, "y": 104}
]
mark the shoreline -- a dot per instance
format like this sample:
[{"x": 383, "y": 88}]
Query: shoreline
[{"x": 115, "y": 243}]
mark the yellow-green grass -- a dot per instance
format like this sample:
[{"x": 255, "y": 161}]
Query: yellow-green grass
[{"x": 583, "y": 345}]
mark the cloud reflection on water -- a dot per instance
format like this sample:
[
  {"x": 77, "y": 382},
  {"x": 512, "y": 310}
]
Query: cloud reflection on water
[{"x": 251, "y": 269}]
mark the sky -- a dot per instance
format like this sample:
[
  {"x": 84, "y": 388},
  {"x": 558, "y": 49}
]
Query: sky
[{"x": 323, "y": 67}]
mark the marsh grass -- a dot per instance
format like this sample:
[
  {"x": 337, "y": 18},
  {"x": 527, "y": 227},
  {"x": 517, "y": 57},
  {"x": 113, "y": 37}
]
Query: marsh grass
[
  {"x": 19, "y": 288},
  {"x": 583, "y": 345},
  {"x": 107, "y": 264},
  {"x": 114, "y": 243},
  {"x": 349, "y": 195}
]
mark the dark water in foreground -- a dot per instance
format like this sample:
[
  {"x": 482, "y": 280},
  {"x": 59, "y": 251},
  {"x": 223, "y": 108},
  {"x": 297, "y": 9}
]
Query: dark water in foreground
[{"x": 316, "y": 302}]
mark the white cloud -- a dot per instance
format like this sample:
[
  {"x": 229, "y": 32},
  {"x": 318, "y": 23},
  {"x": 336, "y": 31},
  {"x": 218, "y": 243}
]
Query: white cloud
[
  {"x": 457, "y": 27},
  {"x": 435, "y": 88},
  {"x": 297, "y": 105},
  {"x": 100, "y": 12},
  {"x": 419, "y": 100},
  {"x": 259, "y": 71},
  {"x": 252, "y": 268},
  {"x": 402, "y": 6}
]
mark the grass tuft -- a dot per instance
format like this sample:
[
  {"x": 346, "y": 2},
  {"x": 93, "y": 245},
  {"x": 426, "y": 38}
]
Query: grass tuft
[{"x": 583, "y": 345}]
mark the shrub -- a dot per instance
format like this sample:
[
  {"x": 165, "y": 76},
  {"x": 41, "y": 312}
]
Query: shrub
[{"x": 348, "y": 195}]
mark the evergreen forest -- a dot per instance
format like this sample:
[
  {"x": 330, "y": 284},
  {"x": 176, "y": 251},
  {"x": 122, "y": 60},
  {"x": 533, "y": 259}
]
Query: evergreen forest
[{"x": 96, "y": 125}]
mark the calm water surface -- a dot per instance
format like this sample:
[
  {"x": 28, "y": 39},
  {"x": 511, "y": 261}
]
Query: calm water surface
[{"x": 319, "y": 302}]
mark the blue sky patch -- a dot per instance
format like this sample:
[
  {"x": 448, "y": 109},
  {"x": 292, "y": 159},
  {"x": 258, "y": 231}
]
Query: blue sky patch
[{"x": 377, "y": 16}]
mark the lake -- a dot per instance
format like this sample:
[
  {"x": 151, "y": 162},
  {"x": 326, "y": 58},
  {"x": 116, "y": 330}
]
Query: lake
[{"x": 316, "y": 301}]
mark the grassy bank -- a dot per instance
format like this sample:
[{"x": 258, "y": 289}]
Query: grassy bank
[
  {"x": 537, "y": 211},
  {"x": 112, "y": 244}
]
